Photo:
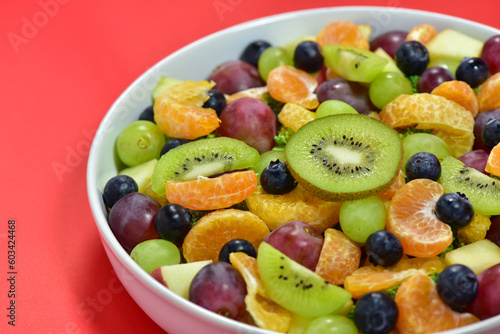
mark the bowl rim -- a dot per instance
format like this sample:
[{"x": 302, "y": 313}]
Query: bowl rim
[{"x": 95, "y": 196}]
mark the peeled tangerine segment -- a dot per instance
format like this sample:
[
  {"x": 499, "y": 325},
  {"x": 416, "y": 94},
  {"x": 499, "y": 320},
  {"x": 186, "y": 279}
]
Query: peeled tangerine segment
[
  {"x": 354, "y": 64},
  {"x": 482, "y": 191},
  {"x": 344, "y": 157},
  {"x": 295, "y": 287},
  {"x": 178, "y": 110},
  {"x": 202, "y": 158}
]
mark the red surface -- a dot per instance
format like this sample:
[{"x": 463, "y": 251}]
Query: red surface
[{"x": 63, "y": 63}]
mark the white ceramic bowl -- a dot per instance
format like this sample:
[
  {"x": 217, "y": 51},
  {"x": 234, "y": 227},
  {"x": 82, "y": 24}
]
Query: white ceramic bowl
[{"x": 195, "y": 61}]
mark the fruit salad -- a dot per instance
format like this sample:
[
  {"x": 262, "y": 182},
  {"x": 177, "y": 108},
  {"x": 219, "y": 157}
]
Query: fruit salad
[{"x": 337, "y": 183}]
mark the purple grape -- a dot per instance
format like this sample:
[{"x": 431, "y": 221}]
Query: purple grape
[
  {"x": 234, "y": 76},
  {"x": 479, "y": 125},
  {"x": 349, "y": 92},
  {"x": 433, "y": 77},
  {"x": 219, "y": 287},
  {"x": 299, "y": 241},
  {"x": 476, "y": 159},
  {"x": 131, "y": 219},
  {"x": 493, "y": 233},
  {"x": 491, "y": 53},
  {"x": 487, "y": 304},
  {"x": 250, "y": 120},
  {"x": 390, "y": 41}
]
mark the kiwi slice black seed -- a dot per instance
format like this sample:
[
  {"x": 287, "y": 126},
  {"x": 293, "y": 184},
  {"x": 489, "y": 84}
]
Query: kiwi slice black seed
[
  {"x": 482, "y": 191},
  {"x": 295, "y": 287},
  {"x": 345, "y": 157},
  {"x": 202, "y": 158}
]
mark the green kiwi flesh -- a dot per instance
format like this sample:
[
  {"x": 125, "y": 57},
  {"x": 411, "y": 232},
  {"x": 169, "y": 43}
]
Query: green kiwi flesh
[
  {"x": 295, "y": 287},
  {"x": 482, "y": 191},
  {"x": 352, "y": 63},
  {"x": 345, "y": 157},
  {"x": 202, "y": 158}
]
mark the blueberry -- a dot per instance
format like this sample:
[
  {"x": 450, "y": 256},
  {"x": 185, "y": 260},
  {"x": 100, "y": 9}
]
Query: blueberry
[
  {"x": 216, "y": 101},
  {"x": 253, "y": 51},
  {"x": 375, "y": 313},
  {"x": 148, "y": 115},
  {"x": 423, "y": 165},
  {"x": 491, "y": 133},
  {"x": 308, "y": 57},
  {"x": 383, "y": 248},
  {"x": 276, "y": 178},
  {"x": 173, "y": 222},
  {"x": 457, "y": 286},
  {"x": 117, "y": 187},
  {"x": 473, "y": 71},
  {"x": 173, "y": 143},
  {"x": 234, "y": 246},
  {"x": 412, "y": 58},
  {"x": 454, "y": 209}
]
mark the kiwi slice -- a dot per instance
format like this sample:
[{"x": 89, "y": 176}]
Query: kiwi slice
[
  {"x": 202, "y": 158},
  {"x": 482, "y": 191},
  {"x": 353, "y": 64},
  {"x": 295, "y": 287},
  {"x": 345, "y": 157}
]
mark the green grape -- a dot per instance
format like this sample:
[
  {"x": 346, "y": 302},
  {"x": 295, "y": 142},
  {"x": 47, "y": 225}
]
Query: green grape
[
  {"x": 362, "y": 217},
  {"x": 331, "y": 324},
  {"x": 449, "y": 64},
  {"x": 271, "y": 58},
  {"x": 424, "y": 142},
  {"x": 139, "y": 142},
  {"x": 154, "y": 253},
  {"x": 265, "y": 159},
  {"x": 334, "y": 107},
  {"x": 387, "y": 86}
]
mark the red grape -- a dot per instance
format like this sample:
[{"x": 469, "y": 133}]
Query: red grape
[
  {"x": 234, "y": 76},
  {"x": 476, "y": 159},
  {"x": 219, "y": 287},
  {"x": 349, "y": 92},
  {"x": 487, "y": 303},
  {"x": 132, "y": 219},
  {"x": 299, "y": 241},
  {"x": 390, "y": 41},
  {"x": 433, "y": 77},
  {"x": 250, "y": 120},
  {"x": 493, "y": 233},
  {"x": 491, "y": 53}
]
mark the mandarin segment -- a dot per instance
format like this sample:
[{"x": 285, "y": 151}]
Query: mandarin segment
[
  {"x": 294, "y": 116},
  {"x": 460, "y": 92},
  {"x": 411, "y": 217},
  {"x": 493, "y": 162},
  {"x": 264, "y": 312},
  {"x": 343, "y": 33},
  {"x": 476, "y": 230},
  {"x": 422, "y": 33},
  {"x": 398, "y": 184},
  {"x": 289, "y": 84},
  {"x": 257, "y": 93},
  {"x": 212, "y": 193},
  {"x": 214, "y": 230},
  {"x": 370, "y": 278},
  {"x": 299, "y": 204},
  {"x": 339, "y": 258},
  {"x": 422, "y": 311},
  {"x": 488, "y": 96},
  {"x": 447, "y": 119},
  {"x": 178, "y": 110}
]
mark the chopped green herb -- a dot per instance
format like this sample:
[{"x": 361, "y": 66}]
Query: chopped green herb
[
  {"x": 275, "y": 105},
  {"x": 414, "y": 79},
  {"x": 392, "y": 291},
  {"x": 434, "y": 277},
  {"x": 283, "y": 135}
]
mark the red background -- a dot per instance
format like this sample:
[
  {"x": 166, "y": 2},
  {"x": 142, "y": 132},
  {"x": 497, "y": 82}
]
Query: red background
[{"x": 63, "y": 63}]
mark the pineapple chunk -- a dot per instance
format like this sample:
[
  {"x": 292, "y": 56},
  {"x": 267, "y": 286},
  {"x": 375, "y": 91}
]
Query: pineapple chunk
[
  {"x": 478, "y": 256},
  {"x": 451, "y": 44}
]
